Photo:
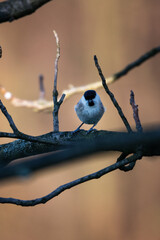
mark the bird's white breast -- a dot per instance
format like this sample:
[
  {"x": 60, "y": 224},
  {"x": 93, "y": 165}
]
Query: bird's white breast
[{"x": 90, "y": 114}]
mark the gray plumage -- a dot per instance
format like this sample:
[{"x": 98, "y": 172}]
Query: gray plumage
[{"x": 90, "y": 108}]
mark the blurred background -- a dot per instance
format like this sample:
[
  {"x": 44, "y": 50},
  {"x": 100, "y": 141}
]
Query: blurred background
[{"x": 119, "y": 206}]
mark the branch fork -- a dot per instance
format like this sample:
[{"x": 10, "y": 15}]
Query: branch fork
[{"x": 57, "y": 103}]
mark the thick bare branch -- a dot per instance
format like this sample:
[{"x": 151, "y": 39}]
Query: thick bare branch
[
  {"x": 14, "y": 9},
  {"x": 149, "y": 140},
  {"x": 80, "y": 144}
]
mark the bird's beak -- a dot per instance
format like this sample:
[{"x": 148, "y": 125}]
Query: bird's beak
[{"x": 90, "y": 102}]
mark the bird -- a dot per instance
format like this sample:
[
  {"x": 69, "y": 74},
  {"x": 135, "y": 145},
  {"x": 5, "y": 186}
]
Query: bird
[{"x": 89, "y": 109}]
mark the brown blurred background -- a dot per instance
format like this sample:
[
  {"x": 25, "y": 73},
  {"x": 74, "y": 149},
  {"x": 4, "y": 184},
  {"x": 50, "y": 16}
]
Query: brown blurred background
[{"x": 119, "y": 206}]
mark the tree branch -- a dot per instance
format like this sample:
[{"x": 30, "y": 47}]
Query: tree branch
[
  {"x": 149, "y": 141},
  {"x": 139, "y": 129},
  {"x": 81, "y": 144},
  {"x": 114, "y": 101},
  {"x": 16, "y": 133},
  {"x": 72, "y": 184},
  {"x": 135, "y": 113},
  {"x": 9, "y": 118},
  {"x": 41, "y": 88},
  {"x": 14, "y": 9},
  {"x": 47, "y": 106},
  {"x": 136, "y": 63},
  {"x": 0, "y": 51},
  {"x": 57, "y": 103},
  {"x": 73, "y": 147}
]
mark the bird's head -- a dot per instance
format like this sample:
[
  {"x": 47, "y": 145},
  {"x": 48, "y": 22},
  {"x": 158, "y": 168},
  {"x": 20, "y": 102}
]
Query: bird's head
[{"x": 89, "y": 96}]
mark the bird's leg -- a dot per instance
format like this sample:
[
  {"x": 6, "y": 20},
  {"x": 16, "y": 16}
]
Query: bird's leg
[
  {"x": 78, "y": 128},
  {"x": 90, "y": 130}
]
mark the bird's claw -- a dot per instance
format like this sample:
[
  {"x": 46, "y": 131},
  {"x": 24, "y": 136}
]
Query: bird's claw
[{"x": 91, "y": 130}]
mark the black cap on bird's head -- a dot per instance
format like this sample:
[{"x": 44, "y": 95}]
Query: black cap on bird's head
[{"x": 90, "y": 94}]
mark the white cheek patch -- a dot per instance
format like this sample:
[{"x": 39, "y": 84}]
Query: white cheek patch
[{"x": 8, "y": 95}]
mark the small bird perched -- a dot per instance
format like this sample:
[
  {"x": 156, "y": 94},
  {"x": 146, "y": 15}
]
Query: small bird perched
[{"x": 89, "y": 109}]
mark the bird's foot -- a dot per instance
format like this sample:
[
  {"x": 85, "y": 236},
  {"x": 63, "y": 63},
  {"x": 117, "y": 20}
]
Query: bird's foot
[
  {"x": 75, "y": 131},
  {"x": 91, "y": 130}
]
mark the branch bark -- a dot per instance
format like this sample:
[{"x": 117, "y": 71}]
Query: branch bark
[
  {"x": 14, "y": 9},
  {"x": 62, "y": 188},
  {"x": 146, "y": 140},
  {"x": 57, "y": 103},
  {"x": 113, "y": 99},
  {"x": 93, "y": 142}
]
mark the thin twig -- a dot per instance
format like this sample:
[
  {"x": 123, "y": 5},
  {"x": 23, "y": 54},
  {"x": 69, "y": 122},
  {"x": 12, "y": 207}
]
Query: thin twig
[
  {"x": 55, "y": 91},
  {"x": 135, "y": 113},
  {"x": 37, "y": 105},
  {"x": 16, "y": 133},
  {"x": 129, "y": 167},
  {"x": 72, "y": 184},
  {"x": 126, "y": 123},
  {"x": 139, "y": 129},
  {"x": 61, "y": 99},
  {"x": 9, "y": 118},
  {"x": 41, "y": 88},
  {"x": 0, "y": 51},
  {"x": 56, "y": 61},
  {"x": 136, "y": 63},
  {"x": 26, "y": 137}
]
